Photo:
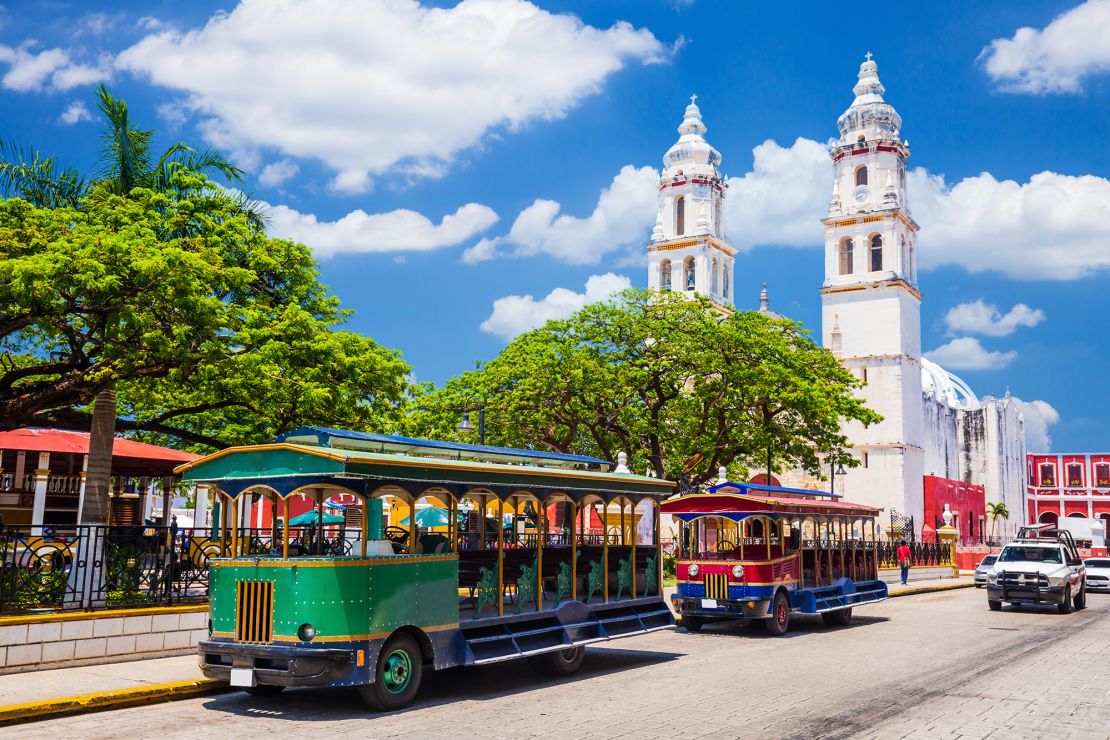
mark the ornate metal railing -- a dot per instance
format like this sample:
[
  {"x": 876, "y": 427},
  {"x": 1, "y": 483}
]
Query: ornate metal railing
[
  {"x": 921, "y": 554},
  {"x": 103, "y": 567}
]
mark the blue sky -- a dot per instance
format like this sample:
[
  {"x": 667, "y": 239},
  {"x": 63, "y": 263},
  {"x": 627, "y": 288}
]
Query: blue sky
[{"x": 439, "y": 157}]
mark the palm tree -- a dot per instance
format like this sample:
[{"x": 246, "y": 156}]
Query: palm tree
[
  {"x": 997, "y": 511},
  {"x": 125, "y": 164}
]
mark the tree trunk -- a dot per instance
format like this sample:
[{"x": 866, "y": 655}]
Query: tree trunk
[{"x": 102, "y": 435}]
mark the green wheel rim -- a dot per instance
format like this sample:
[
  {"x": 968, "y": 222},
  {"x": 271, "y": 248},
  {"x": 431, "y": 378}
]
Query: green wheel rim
[{"x": 397, "y": 671}]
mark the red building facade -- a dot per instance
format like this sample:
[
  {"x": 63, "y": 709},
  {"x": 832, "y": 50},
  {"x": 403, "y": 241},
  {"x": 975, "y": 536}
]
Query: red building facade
[
  {"x": 966, "y": 501},
  {"x": 1068, "y": 484}
]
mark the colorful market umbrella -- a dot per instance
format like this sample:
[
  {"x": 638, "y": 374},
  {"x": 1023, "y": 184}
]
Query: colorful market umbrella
[
  {"x": 431, "y": 517},
  {"x": 309, "y": 518}
]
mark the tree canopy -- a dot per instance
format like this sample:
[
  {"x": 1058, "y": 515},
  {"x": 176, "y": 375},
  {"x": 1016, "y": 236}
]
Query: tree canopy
[
  {"x": 212, "y": 332},
  {"x": 681, "y": 388}
]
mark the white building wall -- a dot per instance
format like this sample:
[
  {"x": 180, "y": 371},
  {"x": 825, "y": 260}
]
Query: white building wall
[{"x": 942, "y": 452}]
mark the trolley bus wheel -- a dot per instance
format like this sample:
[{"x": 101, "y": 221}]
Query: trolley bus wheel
[
  {"x": 397, "y": 675},
  {"x": 779, "y": 621},
  {"x": 692, "y": 624},
  {"x": 839, "y": 618},
  {"x": 264, "y": 689},
  {"x": 558, "y": 662}
]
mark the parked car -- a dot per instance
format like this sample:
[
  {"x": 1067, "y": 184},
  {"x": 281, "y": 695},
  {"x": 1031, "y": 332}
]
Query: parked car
[
  {"x": 984, "y": 567},
  {"x": 1098, "y": 574},
  {"x": 1041, "y": 566}
]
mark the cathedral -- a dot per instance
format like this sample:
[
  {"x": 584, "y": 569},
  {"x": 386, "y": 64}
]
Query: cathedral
[{"x": 939, "y": 445}]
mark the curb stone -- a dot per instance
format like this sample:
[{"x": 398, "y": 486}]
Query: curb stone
[{"x": 100, "y": 700}]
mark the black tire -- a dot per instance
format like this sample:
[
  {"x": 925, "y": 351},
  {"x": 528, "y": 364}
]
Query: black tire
[
  {"x": 1080, "y": 600},
  {"x": 558, "y": 662},
  {"x": 779, "y": 622},
  {"x": 1065, "y": 606},
  {"x": 995, "y": 606},
  {"x": 839, "y": 618},
  {"x": 397, "y": 675},
  {"x": 264, "y": 689},
  {"x": 692, "y": 624}
]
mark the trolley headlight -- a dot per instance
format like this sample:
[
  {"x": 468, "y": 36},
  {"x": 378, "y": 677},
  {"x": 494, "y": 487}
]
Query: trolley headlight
[
  {"x": 693, "y": 570},
  {"x": 738, "y": 571},
  {"x": 306, "y": 632}
]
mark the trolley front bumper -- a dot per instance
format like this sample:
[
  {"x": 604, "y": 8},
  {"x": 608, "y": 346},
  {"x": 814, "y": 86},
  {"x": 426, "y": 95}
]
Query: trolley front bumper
[
  {"x": 276, "y": 665},
  {"x": 722, "y": 608}
]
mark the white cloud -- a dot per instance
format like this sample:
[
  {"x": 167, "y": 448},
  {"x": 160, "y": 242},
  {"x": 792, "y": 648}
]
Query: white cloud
[
  {"x": 1054, "y": 227},
  {"x": 1057, "y": 58},
  {"x": 276, "y": 173},
  {"x": 75, "y": 112},
  {"x": 967, "y": 353},
  {"x": 30, "y": 71},
  {"x": 516, "y": 314},
  {"x": 1039, "y": 416},
  {"x": 401, "y": 230},
  {"x": 782, "y": 200},
  {"x": 374, "y": 86},
  {"x": 623, "y": 217},
  {"x": 979, "y": 317}
]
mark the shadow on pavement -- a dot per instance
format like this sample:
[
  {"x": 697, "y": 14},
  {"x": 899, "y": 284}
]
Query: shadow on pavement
[
  {"x": 800, "y": 625},
  {"x": 474, "y": 683}
]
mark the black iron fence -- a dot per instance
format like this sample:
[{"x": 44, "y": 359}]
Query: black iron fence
[
  {"x": 921, "y": 553},
  {"x": 91, "y": 567}
]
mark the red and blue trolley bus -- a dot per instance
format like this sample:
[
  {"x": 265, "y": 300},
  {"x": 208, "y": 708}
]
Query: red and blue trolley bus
[{"x": 750, "y": 551}]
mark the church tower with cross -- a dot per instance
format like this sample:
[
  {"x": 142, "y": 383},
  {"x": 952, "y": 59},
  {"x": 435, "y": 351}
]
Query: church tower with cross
[
  {"x": 870, "y": 304},
  {"x": 688, "y": 251}
]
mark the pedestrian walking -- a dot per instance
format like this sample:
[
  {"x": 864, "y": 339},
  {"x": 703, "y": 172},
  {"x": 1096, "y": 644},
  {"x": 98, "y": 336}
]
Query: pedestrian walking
[{"x": 904, "y": 560}]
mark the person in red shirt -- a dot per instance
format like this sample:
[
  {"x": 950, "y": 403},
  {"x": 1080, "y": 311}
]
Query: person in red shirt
[{"x": 903, "y": 554}]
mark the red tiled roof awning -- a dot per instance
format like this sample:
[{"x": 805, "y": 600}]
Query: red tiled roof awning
[{"x": 128, "y": 456}]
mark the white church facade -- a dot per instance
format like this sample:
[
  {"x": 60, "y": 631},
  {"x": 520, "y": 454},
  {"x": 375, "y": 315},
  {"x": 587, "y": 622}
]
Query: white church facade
[{"x": 936, "y": 435}]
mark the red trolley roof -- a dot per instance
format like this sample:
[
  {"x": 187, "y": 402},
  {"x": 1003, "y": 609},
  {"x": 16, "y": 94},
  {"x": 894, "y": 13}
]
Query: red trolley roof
[{"x": 741, "y": 505}]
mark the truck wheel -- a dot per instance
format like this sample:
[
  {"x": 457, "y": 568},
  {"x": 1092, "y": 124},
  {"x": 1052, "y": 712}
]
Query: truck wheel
[
  {"x": 559, "y": 662},
  {"x": 397, "y": 675},
  {"x": 692, "y": 624},
  {"x": 839, "y": 618},
  {"x": 779, "y": 622},
  {"x": 1065, "y": 606},
  {"x": 264, "y": 689},
  {"x": 995, "y": 606},
  {"x": 1080, "y": 601}
]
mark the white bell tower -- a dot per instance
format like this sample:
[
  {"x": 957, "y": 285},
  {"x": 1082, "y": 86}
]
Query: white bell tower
[
  {"x": 688, "y": 251},
  {"x": 871, "y": 308}
]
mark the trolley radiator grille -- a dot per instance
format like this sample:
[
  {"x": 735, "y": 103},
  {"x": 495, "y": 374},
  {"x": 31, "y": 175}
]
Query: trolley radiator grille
[
  {"x": 254, "y": 611},
  {"x": 716, "y": 586}
]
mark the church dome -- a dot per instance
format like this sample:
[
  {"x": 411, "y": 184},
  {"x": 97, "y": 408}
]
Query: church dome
[
  {"x": 691, "y": 153},
  {"x": 869, "y": 115},
  {"x": 946, "y": 387}
]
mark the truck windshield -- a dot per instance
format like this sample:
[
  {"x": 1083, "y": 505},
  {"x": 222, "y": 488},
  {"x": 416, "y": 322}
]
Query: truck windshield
[{"x": 1013, "y": 554}]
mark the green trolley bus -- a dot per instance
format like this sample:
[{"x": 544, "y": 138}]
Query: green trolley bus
[{"x": 504, "y": 553}]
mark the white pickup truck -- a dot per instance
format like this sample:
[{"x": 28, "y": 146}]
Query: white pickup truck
[{"x": 1042, "y": 566}]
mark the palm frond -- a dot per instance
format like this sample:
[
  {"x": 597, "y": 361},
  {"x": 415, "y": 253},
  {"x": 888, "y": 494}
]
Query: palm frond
[
  {"x": 126, "y": 150},
  {"x": 28, "y": 174}
]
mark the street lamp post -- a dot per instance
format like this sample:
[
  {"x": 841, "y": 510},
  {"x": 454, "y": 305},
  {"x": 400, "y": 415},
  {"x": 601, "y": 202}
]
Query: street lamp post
[
  {"x": 464, "y": 424},
  {"x": 833, "y": 470}
]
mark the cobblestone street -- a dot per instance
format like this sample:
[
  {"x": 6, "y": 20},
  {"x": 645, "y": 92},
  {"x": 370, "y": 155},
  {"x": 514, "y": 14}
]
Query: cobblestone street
[{"x": 930, "y": 666}]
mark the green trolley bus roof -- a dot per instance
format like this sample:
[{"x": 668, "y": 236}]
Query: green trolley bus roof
[{"x": 284, "y": 460}]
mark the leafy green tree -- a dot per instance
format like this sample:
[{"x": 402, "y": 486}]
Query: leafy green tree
[
  {"x": 997, "y": 511},
  {"x": 125, "y": 165},
  {"x": 212, "y": 335},
  {"x": 681, "y": 388}
]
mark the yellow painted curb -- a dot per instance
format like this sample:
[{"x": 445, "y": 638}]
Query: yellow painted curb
[
  {"x": 101, "y": 614},
  {"x": 98, "y": 700},
  {"x": 912, "y": 590}
]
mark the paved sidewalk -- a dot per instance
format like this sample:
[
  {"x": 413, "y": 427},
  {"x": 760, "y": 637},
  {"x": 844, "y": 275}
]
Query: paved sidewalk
[
  {"x": 83, "y": 688},
  {"x": 937, "y": 584}
]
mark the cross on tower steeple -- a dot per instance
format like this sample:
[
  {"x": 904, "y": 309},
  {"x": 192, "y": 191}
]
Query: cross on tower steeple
[
  {"x": 868, "y": 56},
  {"x": 693, "y": 99}
]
